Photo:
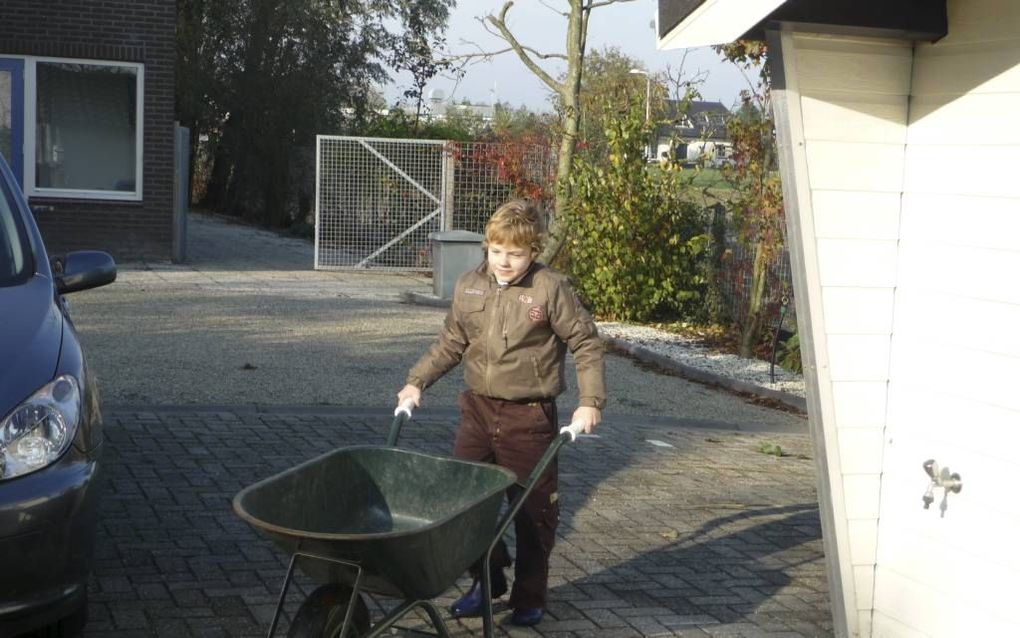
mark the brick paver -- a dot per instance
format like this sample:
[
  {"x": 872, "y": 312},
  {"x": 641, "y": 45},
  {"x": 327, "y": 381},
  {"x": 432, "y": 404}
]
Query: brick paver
[{"x": 699, "y": 534}]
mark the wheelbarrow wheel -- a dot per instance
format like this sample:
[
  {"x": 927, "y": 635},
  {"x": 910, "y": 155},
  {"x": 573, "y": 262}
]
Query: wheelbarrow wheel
[{"x": 322, "y": 614}]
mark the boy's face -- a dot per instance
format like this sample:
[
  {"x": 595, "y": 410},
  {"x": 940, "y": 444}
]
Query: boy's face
[{"x": 508, "y": 262}]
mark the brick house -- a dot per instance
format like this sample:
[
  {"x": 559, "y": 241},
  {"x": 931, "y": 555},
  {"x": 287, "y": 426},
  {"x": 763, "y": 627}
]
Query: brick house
[{"x": 87, "y": 120}]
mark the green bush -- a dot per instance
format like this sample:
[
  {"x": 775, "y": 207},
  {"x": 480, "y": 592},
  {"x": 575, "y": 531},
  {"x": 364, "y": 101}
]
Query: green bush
[
  {"x": 789, "y": 354},
  {"x": 636, "y": 244}
]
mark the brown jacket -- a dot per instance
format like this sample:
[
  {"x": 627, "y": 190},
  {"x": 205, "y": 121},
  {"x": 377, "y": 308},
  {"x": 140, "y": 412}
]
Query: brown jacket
[{"x": 513, "y": 339}]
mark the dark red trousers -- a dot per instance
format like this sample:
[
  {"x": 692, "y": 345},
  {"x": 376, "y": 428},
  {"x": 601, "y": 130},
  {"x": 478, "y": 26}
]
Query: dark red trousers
[{"x": 514, "y": 435}]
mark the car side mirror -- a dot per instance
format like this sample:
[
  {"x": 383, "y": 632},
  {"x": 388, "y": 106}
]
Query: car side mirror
[{"x": 84, "y": 269}]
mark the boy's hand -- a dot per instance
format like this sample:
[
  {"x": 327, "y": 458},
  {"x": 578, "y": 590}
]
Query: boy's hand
[
  {"x": 411, "y": 392},
  {"x": 588, "y": 417}
]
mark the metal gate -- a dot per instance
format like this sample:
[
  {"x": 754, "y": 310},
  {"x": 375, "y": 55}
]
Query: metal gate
[{"x": 376, "y": 202}]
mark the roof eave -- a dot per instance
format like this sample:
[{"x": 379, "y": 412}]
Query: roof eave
[
  {"x": 710, "y": 22},
  {"x": 706, "y": 22}
]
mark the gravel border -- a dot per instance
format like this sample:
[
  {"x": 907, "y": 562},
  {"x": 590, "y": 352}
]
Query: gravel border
[{"x": 688, "y": 358}]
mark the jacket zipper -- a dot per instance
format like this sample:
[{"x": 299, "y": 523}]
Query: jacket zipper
[{"x": 492, "y": 326}]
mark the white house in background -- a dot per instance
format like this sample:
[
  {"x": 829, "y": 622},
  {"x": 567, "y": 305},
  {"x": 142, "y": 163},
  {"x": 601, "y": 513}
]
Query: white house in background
[
  {"x": 905, "y": 244},
  {"x": 698, "y": 134}
]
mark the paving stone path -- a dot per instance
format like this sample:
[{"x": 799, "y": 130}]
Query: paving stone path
[{"x": 666, "y": 530}]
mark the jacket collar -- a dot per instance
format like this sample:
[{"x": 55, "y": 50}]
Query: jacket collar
[{"x": 483, "y": 270}]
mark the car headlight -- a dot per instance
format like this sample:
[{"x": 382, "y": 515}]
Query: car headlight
[{"x": 40, "y": 430}]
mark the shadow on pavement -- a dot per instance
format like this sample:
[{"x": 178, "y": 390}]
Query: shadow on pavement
[{"x": 727, "y": 570}]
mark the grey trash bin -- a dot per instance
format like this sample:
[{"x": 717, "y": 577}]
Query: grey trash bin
[{"x": 453, "y": 252}]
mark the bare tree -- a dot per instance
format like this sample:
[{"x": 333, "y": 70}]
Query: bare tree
[{"x": 567, "y": 89}]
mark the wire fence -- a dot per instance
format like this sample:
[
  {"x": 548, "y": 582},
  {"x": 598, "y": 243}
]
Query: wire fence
[
  {"x": 736, "y": 287},
  {"x": 487, "y": 174},
  {"x": 379, "y": 200}
]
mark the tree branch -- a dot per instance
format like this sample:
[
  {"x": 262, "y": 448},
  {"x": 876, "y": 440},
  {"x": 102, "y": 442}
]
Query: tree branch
[
  {"x": 585, "y": 13},
  {"x": 488, "y": 54},
  {"x": 553, "y": 9},
  {"x": 592, "y": 4},
  {"x": 520, "y": 50}
]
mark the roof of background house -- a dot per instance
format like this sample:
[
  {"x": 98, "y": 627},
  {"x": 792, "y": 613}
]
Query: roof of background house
[{"x": 700, "y": 120}]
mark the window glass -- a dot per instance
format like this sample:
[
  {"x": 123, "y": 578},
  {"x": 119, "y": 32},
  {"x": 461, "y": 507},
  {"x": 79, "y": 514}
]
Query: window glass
[
  {"x": 85, "y": 126},
  {"x": 12, "y": 243}
]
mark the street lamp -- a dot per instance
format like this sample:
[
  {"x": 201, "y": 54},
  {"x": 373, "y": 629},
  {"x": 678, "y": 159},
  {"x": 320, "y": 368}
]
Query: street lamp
[{"x": 648, "y": 106}]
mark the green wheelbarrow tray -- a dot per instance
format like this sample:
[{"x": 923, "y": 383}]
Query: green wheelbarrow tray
[
  {"x": 387, "y": 521},
  {"x": 414, "y": 522}
]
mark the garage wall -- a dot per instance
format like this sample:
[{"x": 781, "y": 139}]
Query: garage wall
[
  {"x": 847, "y": 105},
  {"x": 955, "y": 350}
]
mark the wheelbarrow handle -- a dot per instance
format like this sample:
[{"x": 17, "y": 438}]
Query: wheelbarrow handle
[
  {"x": 401, "y": 416},
  {"x": 568, "y": 433},
  {"x": 573, "y": 430},
  {"x": 406, "y": 407}
]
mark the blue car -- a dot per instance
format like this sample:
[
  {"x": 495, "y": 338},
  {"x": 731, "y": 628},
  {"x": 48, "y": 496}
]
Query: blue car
[{"x": 50, "y": 427}]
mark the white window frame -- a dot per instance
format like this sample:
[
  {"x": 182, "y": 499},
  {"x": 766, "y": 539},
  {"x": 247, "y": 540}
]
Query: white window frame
[{"x": 31, "y": 190}]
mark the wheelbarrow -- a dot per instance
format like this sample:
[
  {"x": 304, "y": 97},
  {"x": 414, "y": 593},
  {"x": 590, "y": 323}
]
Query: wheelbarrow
[{"x": 387, "y": 521}]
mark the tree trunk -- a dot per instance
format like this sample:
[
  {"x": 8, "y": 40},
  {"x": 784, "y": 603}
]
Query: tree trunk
[
  {"x": 558, "y": 220},
  {"x": 570, "y": 91},
  {"x": 752, "y": 325}
]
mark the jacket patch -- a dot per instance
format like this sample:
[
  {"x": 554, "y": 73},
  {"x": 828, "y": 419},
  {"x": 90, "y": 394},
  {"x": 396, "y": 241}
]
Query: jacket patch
[
  {"x": 474, "y": 291},
  {"x": 536, "y": 314},
  {"x": 525, "y": 298}
]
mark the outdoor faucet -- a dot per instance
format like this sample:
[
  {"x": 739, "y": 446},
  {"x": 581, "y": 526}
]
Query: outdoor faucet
[{"x": 940, "y": 477}]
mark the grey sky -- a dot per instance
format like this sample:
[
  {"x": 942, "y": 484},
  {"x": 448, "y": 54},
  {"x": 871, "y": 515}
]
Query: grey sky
[{"x": 624, "y": 25}]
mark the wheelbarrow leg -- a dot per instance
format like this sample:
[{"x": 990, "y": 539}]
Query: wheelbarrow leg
[
  {"x": 283, "y": 595},
  {"x": 487, "y": 624},
  {"x": 348, "y": 617},
  {"x": 290, "y": 575}
]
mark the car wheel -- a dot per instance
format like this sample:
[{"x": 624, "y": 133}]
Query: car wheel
[{"x": 322, "y": 614}]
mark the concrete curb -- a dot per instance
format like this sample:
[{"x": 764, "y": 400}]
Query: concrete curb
[
  {"x": 644, "y": 354},
  {"x": 424, "y": 300},
  {"x": 709, "y": 378}
]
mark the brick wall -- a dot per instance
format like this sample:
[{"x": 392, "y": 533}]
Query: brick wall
[{"x": 119, "y": 30}]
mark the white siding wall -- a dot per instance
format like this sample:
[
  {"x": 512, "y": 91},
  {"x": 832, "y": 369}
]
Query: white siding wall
[
  {"x": 955, "y": 350},
  {"x": 852, "y": 97}
]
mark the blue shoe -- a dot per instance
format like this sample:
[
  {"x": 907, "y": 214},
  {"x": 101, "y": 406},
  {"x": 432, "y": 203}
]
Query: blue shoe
[
  {"x": 470, "y": 604},
  {"x": 527, "y": 617}
]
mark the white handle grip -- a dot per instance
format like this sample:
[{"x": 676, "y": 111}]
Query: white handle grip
[
  {"x": 406, "y": 407},
  {"x": 573, "y": 430}
]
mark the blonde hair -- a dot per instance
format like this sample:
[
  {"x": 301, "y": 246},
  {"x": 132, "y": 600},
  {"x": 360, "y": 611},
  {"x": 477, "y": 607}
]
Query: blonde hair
[{"x": 516, "y": 223}]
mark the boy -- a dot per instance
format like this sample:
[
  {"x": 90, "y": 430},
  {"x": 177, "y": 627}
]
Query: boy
[{"x": 511, "y": 322}]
